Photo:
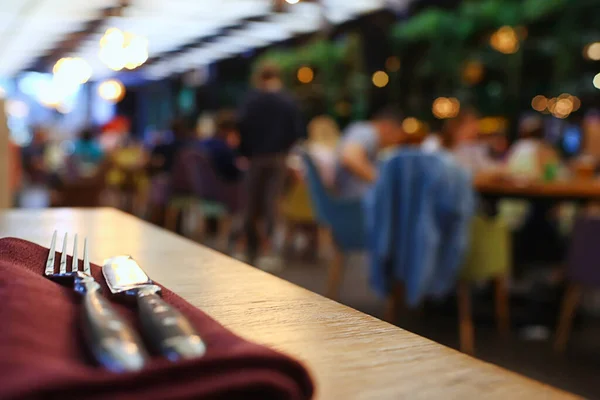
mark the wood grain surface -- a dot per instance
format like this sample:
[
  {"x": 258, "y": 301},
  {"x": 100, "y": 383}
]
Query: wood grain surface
[{"x": 350, "y": 355}]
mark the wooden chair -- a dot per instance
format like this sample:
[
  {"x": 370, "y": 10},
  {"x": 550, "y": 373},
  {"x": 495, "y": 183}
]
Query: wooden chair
[
  {"x": 488, "y": 258},
  {"x": 582, "y": 272}
]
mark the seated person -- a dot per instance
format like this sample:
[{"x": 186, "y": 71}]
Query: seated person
[
  {"x": 222, "y": 148},
  {"x": 530, "y": 156},
  {"x": 88, "y": 154},
  {"x": 358, "y": 150}
]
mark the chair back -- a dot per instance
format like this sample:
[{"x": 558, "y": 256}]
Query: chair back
[
  {"x": 322, "y": 203},
  {"x": 345, "y": 217},
  {"x": 489, "y": 253},
  {"x": 584, "y": 252}
]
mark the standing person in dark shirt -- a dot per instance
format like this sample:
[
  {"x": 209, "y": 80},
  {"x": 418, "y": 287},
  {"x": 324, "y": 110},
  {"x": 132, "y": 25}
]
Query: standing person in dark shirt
[{"x": 270, "y": 124}]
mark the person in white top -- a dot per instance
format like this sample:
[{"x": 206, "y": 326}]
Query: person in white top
[
  {"x": 530, "y": 155},
  {"x": 460, "y": 137}
]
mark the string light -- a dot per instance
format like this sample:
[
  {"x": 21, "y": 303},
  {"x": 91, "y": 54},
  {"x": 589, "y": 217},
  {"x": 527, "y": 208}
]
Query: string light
[
  {"x": 72, "y": 69},
  {"x": 539, "y": 103},
  {"x": 392, "y": 64},
  {"x": 120, "y": 49},
  {"x": 111, "y": 90},
  {"x": 305, "y": 75},
  {"x": 473, "y": 72},
  {"x": 444, "y": 107},
  {"x": 592, "y": 51},
  {"x": 505, "y": 40},
  {"x": 597, "y": 81},
  {"x": 411, "y": 125},
  {"x": 380, "y": 79}
]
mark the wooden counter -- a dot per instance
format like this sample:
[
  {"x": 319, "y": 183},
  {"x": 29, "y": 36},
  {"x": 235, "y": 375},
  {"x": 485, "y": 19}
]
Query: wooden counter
[{"x": 351, "y": 355}]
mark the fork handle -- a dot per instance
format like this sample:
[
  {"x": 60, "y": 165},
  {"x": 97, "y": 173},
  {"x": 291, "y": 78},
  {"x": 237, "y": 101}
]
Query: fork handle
[
  {"x": 168, "y": 330},
  {"x": 111, "y": 339}
]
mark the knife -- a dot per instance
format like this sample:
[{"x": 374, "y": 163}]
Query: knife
[{"x": 167, "y": 330}]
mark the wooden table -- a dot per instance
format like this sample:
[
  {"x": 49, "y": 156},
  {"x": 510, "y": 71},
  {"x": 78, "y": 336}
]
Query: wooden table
[
  {"x": 575, "y": 190},
  {"x": 351, "y": 355}
]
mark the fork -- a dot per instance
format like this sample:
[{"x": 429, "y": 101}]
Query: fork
[{"x": 112, "y": 341}]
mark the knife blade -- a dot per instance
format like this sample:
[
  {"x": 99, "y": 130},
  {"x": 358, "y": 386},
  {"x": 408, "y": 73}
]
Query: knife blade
[{"x": 167, "y": 330}]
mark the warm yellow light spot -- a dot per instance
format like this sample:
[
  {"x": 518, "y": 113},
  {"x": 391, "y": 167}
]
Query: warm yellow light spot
[
  {"x": 562, "y": 108},
  {"x": 444, "y": 107},
  {"x": 592, "y": 51},
  {"x": 505, "y": 40},
  {"x": 392, "y": 64},
  {"x": 576, "y": 103},
  {"x": 380, "y": 79},
  {"x": 111, "y": 90},
  {"x": 411, "y": 125},
  {"x": 306, "y": 75},
  {"x": 292, "y": 1},
  {"x": 473, "y": 72},
  {"x": 539, "y": 103},
  {"x": 597, "y": 81}
]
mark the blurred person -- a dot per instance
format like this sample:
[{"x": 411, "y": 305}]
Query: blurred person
[
  {"x": 87, "y": 154},
  {"x": 127, "y": 178},
  {"x": 323, "y": 139},
  {"x": 33, "y": 157},
  {"x": 270, "y": 124},
  {"x": 162, "y": 156},
  {"x": 460, "y": 135},
  {"x": 222, "y": 148},
  {"x": 531, "y": 157},
  {"x": 356, "y": 169},
  {"x": 498, "y": 146}
]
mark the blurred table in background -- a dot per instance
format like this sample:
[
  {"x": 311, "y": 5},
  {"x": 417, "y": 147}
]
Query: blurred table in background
[
  {"x": 350, "y": 354},
  {"x": 581, "y": 190}
]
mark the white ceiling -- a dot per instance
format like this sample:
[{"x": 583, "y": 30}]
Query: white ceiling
[{"x": 28, "y": 28}]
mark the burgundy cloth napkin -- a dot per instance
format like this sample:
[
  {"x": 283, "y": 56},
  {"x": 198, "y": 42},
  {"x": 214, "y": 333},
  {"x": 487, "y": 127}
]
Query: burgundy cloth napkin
[{"x": 42, "y": 354}]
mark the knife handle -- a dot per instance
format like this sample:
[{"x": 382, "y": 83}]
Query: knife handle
[
  {"x": 167, "y": 329},
  {"x": 113, "y": 342}
]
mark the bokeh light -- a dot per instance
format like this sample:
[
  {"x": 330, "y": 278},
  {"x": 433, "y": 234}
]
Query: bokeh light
[
  {"x": 597, "y": 81},
  {"x": 380, "y": 79},
  {"x": 473, "y": 72},
  {"x": 292, "y": 1},
  {"x": 411, "y": 125},
  {"x": 539, "y": 103},
  {"x": 392, "y": 64},
  {"x": 16, "y": 108},
  {"x": 592, "y": 51},
  {"x": 111, "y": 90},
  {"x": 72, "y": 69},
  {"x": 444, "y": 107},
  {"x": 120, "y": 50},
  {"x": 505, "y": 40},
  {"x": 305, "y": 75}
]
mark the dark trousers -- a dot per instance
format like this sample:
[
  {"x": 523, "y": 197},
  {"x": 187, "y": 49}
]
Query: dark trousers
[{"x": 264, "y": 183}]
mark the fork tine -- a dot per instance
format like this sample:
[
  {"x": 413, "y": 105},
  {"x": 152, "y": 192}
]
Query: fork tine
[
  {"x": 75, "y": 260},
  {"x": 86, "y": 259},
  {"x": 51, "y": 255},
  {"x": 63, "y": 256}
]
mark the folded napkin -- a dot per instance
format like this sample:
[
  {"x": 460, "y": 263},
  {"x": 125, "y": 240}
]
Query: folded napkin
[{"x": 42, "y": 354}]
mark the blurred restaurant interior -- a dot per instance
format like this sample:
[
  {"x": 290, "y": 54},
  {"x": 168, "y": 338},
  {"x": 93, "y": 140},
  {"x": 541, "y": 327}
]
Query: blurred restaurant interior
[{"x": 433, "y": 163}]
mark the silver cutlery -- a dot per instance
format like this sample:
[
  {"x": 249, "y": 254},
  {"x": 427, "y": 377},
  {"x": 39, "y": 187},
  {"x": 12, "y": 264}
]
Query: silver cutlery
[
  {"x": 165, "y": 328},
  {"x": 110, "y": 338}
]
